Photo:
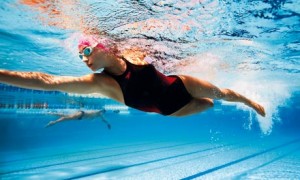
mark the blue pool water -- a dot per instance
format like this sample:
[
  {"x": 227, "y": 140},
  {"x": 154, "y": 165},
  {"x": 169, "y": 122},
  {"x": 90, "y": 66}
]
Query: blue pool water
[{"x": 249, "y": 46}]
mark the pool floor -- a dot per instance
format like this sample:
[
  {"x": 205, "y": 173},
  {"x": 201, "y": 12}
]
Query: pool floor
[{"x": 265, "y": 158}]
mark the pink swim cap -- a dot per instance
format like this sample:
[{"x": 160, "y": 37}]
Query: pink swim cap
[{"x": 91, "y": 40}]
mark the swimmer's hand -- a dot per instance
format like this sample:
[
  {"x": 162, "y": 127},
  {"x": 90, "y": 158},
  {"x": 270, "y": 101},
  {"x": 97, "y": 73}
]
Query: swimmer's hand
[
  {"x": 51, "y": 123},
  {"x": 109, "y": 126}
]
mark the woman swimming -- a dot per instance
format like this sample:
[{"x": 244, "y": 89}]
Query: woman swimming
[{"x": 138, "y": 85}]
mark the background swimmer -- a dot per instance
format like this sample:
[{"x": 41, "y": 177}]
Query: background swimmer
[{"x": 80, "y": 115}]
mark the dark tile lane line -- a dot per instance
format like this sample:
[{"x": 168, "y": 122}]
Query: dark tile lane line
[{"x": 240, "y": 160}]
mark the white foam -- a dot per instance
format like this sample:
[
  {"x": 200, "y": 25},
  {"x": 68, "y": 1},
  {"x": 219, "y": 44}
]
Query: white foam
[{"x": 270, "y": 94}]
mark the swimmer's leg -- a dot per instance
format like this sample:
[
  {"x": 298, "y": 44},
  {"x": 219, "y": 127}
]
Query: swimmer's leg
[
  {"x": 202, "y": 89},
  {"x": 51, "y": 123},
  {"x": 74, "y": 116},
  {"x": 194, "y": 106}
]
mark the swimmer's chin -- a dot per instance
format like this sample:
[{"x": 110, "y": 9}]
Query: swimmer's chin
[{"x": 92, "y": 68}]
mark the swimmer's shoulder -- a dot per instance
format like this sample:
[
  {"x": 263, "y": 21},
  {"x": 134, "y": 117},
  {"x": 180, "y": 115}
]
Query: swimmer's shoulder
[{"x": 136, "y": 61}]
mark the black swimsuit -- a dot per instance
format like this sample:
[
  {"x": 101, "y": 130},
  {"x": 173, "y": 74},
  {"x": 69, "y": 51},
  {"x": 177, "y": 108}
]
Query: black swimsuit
[
  {"x": 147, "y": 89},
  {"x": 81, "y": 115}
]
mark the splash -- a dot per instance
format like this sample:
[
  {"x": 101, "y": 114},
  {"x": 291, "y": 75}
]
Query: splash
[
  {"x": 270, "y": 94},
  {"x": 205, "y": 66}
]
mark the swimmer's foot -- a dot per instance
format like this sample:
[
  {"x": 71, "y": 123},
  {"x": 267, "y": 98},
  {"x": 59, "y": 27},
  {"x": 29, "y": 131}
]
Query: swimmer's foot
[
  {"x": 51, "y": 123},
  {"x": 258, "y": 108}
]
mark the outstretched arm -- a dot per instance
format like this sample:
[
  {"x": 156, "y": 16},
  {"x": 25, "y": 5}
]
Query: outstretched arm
[
  {"x": 42, "y": 81},
  {"x": 105, "y": 121}
]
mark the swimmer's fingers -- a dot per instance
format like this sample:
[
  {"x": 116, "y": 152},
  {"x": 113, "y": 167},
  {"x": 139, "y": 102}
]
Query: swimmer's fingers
[{"x": 109, "y": 126}]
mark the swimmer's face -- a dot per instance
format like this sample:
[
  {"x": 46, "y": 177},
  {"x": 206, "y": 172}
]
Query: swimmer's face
[{"x": 90, "y": 56}]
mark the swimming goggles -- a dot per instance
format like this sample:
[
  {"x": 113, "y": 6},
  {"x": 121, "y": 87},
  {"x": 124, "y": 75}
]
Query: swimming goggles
[{"x": 86, "y": 51}]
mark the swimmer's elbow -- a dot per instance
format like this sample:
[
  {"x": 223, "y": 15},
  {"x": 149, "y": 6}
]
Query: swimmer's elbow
[
  {"x": 43, "y": 81},
  {"x": 46, "y": 81},
  {"x": 79, "y": 85}
]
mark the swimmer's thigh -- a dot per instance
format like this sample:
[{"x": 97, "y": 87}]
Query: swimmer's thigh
[{"x": 194, "y": 106}]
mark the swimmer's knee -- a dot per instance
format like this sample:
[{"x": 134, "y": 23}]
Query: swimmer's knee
[
  {"x": 209, "y": 102},
  {"x": 223, "y": 93},
  {"x": 206, "y": 101}
]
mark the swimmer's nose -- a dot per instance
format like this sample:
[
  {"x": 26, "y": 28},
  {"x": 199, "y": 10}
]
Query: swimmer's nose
[{"x": 85, "y": 59}]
